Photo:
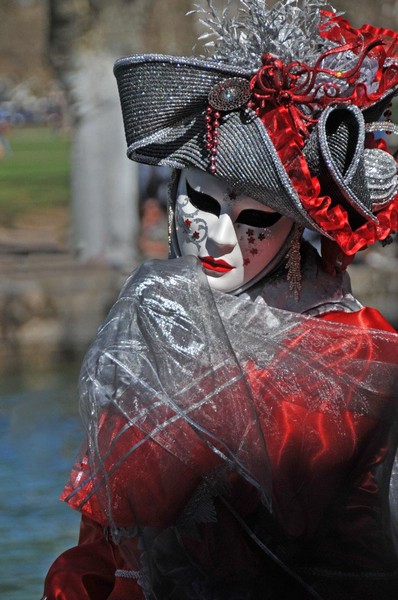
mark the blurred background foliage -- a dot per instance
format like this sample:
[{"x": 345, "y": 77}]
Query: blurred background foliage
[{"x": 36, "y": 180}]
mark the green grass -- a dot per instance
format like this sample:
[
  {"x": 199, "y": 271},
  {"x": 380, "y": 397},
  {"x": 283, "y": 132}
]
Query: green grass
[{"x": 34, "y": 176}]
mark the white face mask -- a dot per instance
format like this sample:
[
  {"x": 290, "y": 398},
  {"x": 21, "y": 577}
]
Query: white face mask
[{"x": 234, "y": 236}]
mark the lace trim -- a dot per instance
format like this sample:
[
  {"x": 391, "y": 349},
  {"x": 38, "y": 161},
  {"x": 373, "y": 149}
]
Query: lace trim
[{"x": 127, "y": 574}]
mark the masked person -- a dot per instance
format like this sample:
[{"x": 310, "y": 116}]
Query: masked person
[{"x": 240, "y": 403}]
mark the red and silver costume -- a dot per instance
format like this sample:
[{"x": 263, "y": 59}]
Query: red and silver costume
[{"x": 242, "y": 446}]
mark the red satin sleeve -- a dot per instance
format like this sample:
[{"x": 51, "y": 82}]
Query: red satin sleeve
[
  {"x": 87, "y": 571},
  {"x": 366, "y": 317}
]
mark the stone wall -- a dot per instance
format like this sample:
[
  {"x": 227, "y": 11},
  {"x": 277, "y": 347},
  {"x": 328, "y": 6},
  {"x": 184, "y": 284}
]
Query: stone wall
[
  {"x": 51, "y": 306},
  {"x": 50, "y": 309}
]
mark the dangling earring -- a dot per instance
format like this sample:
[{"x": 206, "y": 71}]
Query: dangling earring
[{"x": 293, "y": 264}]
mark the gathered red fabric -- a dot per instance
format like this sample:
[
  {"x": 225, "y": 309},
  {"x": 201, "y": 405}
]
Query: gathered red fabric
[{"x": 324, "y": 210}]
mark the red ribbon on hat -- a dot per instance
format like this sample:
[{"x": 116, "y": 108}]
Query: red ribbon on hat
[
  {"x": 296, "y": 85},
  {"x": 288, "y": 99}
]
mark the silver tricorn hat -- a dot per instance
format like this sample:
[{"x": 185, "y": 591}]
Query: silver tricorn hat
[{"x": 291, "y": 136}]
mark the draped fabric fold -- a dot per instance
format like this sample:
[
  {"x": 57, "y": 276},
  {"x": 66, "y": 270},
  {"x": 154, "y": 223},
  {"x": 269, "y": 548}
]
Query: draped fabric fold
[{"x": 223, "y": 430}]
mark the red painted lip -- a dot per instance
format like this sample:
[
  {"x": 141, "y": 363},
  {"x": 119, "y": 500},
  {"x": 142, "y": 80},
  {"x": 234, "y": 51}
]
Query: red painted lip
[{"x": 212, "y": 264}]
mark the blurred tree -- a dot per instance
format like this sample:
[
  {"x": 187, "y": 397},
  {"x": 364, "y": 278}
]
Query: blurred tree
[
  {"x": 23, "y": 42},
  {"x": 85, "y": 38}
]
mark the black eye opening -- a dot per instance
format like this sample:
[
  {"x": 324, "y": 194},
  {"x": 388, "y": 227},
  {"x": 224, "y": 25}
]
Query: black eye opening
[
  {"x": 258, "y": 218},
  {"x": 203, "y": 201},
  {"x": 250, "y": 216}
]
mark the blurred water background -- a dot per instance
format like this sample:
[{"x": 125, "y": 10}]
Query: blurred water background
[{"x": 39, "y": 437}]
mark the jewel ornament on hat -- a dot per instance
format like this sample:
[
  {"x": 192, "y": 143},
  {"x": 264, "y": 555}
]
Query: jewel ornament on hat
[{"x": 228, "y": 95}]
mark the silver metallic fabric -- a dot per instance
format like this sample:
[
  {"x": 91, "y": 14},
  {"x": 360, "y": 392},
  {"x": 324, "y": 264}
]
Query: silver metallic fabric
[{"x": 174, "y": 377}]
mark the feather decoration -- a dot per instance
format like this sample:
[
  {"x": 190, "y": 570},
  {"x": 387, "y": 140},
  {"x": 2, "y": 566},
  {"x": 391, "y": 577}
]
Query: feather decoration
[{"x": 288, "y": 30}]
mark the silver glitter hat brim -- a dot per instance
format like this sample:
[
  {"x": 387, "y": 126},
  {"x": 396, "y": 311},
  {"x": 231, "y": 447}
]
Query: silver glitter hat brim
[{"x": 164, "y": 101}]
